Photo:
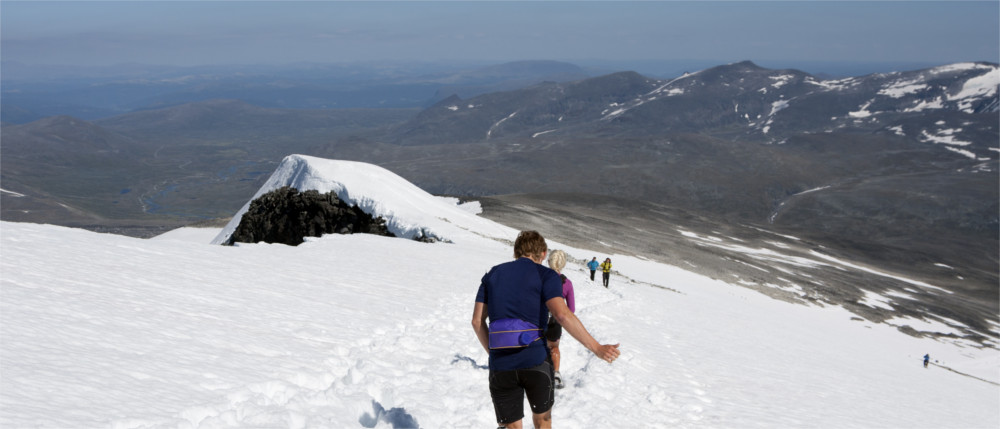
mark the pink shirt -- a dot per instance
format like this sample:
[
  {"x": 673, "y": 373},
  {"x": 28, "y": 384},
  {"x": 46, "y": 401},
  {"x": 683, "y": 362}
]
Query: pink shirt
[{"x": 568, "y": 294}]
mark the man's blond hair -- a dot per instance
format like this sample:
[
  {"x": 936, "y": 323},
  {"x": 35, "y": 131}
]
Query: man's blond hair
[{"x": 530, "y": 244}]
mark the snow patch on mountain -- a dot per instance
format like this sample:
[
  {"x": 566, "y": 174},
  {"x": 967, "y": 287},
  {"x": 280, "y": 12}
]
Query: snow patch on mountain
[
  {"x": 965, "y": 153},
  {"x": 875, "y": 300},
  {"x": 903, "y": 88},
  {"x": 833, "y": 84},
  {"x": 922, "y": 105},
  {"x": 781, "y": 80},
  {"x": 862, "y": 111},
  {"x": 775, "y": 257},
  {"x": 12, "y": 193},
  {"x": 977, "y": 88},
  {"x": 778, "y": 106},
  {"x": 931, "y": 325},
  {"x": 945, "y": 136},
  {"x": 669, "y": 89},
  {"x": 489, "y": 132},
  {"x": 960, "y": 67}
]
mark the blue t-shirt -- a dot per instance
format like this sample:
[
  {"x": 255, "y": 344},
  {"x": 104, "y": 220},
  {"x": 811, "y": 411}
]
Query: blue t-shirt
[{"x": 519, "y": 290}]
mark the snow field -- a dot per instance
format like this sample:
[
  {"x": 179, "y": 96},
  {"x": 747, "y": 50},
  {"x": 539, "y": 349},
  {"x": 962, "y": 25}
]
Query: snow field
[
  {"x": 370, "y": 331},
  {"x": 99, "y": 330},
  {"x": 833, "y": 371}
]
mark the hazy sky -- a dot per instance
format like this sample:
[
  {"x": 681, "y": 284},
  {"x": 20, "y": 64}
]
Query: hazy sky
[{"x": 242, "y": 32}]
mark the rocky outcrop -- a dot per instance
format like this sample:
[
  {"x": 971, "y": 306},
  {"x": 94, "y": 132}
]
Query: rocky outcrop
[{"x": 286, "y": 216}]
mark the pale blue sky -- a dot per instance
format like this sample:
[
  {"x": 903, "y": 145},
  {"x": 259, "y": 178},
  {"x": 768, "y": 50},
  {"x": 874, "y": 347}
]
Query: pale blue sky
[{"x": 245, "y": 32}]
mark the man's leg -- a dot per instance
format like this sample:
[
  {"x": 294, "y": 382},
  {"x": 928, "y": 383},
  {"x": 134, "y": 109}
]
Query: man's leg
[
  {"x": 554, "y": 351},
  {"x": 508, "y": 398},
  {"x": 552, "y": 334},
  {"x": 543, "y": 420},
  {"x": 539, "y": 389}
]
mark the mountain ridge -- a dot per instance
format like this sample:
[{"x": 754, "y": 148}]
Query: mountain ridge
[
  {"x": 740, "y": 100},
  {"x": 878, "y": 164}
]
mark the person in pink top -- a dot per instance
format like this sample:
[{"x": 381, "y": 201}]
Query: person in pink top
[{"x": 557, "y": 261}]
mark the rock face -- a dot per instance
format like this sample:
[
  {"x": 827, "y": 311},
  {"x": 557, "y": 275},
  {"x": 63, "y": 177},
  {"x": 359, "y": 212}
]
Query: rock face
[{"x": 286, "y": 216}]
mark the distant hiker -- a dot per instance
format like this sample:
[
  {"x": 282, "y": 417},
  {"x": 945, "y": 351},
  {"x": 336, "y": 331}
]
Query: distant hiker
[
  {"x": 593, "y": 265},
  {"x": 927, "y": 359},
  {"x": 606, "y": 269},
  {"x": 557, "y": 260},
  {"x": 517, "y": 297}
]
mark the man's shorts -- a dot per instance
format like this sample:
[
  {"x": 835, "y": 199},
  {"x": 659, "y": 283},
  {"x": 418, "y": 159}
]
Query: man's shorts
[
  {"x": 508, "y": 388},
  {"x": 553, "y": 332}
]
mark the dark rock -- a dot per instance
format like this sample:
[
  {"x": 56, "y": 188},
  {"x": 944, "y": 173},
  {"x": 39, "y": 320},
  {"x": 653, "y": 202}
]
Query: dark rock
[{"x": 286, "y": 216}]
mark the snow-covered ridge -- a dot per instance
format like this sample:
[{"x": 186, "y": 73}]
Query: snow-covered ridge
[
  {"x": 901, "y": 88},
  {"x": 982, "y": 86},
  {"x": 980, "y": 82},
  {"x": 771, "y": 103},
  {"x": 409, "y": 211},
  {"x": 971, "y": 85}
]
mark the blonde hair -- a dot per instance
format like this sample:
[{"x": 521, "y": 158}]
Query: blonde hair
[{"x": 557, "y": 260}]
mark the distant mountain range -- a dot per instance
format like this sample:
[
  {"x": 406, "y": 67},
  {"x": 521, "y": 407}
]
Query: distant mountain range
[
  {"x": 31, "y": 93},
  {"x": 739, "y": 101},
  {"x": 882, "y": 164}
]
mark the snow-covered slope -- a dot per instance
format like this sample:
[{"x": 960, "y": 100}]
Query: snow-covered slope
[{"x": 105, "y": 331}]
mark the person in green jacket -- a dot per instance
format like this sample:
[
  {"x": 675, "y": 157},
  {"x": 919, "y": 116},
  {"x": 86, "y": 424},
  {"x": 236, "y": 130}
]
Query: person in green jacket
[{"x": 606, "y": 269}]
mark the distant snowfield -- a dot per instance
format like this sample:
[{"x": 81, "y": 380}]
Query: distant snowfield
[{"x": 99, "y": 330}]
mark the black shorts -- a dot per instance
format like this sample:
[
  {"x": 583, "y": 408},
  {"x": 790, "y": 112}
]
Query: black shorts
[
  {"x": 507, "y": 388},
  {"x": 553, "y": 332}
]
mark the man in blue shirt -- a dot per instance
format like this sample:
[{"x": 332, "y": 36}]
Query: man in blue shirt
[
  {"x": 593, "y": 264},
  {"x": 521, "y": 293}
]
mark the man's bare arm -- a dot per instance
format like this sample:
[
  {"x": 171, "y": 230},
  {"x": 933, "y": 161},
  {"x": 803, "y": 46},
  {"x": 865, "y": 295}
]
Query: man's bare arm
[
  {"x": 569, "y": 322},
  {"x": 479, "y": 325}
]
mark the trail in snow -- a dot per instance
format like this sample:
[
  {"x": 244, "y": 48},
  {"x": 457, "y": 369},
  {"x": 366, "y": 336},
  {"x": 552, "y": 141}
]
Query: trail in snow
[{"x": 964, "y": 374}]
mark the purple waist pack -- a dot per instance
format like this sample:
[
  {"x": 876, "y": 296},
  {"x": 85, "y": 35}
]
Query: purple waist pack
[{"x": 513, "y": 333}]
